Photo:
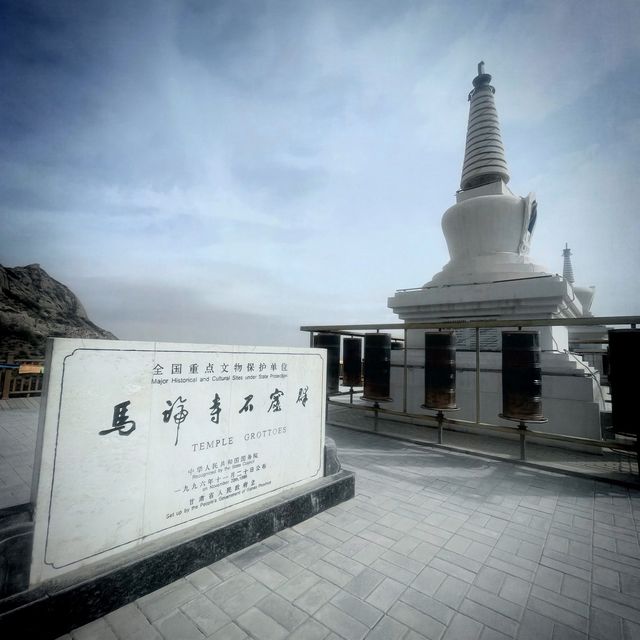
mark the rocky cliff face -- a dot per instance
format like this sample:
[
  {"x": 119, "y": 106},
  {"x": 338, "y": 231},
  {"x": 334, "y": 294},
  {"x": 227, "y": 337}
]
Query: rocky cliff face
[{"x": 34, "y": 306}]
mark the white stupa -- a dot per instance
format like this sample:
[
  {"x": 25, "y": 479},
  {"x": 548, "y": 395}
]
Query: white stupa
[
  {"x": 584, "y": 294},
  {"x": 488, "y": 233},
  {"x": 590, "y": 340},
  {"x": 490, "y": 276}
]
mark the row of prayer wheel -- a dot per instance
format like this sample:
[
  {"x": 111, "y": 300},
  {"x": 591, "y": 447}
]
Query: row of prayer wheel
[
  {"x": 377, "y": 363},
  {"x": 521, "y": 374},
  {"x": 521, "y": 370}
]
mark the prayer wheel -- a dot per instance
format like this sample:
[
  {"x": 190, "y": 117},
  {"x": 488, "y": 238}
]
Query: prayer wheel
[
  {"x": 377, "y": 366},
  {"x": 352, "y": 362},
  {"x": 330, "y": 342},
  {"x": 624, "y": 351},
  {"x": 521, "y": 376},
  {"x": 440, "y": 371}
]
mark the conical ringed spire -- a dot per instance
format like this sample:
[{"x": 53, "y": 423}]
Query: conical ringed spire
[
  {"x": 567, "y": 269},
  {"x": 484, "y": 159}
]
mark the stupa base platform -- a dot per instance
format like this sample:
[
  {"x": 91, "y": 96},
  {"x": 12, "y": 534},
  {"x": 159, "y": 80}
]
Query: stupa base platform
[
  {"x": 571, "y": 400},
  {"x": 570, "y": 392}
]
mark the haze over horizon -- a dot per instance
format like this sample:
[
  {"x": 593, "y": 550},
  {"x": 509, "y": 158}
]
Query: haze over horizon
[{"x": 226, "y": 172}]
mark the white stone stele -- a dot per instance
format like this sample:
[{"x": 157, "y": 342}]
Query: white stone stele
[{"x": 98, "y": 495}]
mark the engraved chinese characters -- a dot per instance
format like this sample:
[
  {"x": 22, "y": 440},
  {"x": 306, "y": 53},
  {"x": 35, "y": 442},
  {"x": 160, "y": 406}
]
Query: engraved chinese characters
[
  {"x": 220, "y": 480},
  {"x": 247, "y": 406},
  {"x": 120, "y": 420},
  {"x": 179, "y": 416},
  {"x": 176, "y": 410},
  {"x": 215, "y": 410}
]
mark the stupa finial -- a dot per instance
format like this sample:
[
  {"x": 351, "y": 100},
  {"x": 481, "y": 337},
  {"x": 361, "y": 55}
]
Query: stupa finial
[
  {"x": 482, "y": 80},
  {"x": 567, "y": 269},
  {"x": 484, "y": 159}
]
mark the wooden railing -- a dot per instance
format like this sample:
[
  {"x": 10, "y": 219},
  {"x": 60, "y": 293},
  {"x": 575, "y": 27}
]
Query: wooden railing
[{"x": 14, "y": 384}]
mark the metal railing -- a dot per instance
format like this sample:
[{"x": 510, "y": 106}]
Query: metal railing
[{"x": 474, "y": 324}]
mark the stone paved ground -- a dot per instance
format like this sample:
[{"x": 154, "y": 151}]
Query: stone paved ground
[
  {"x": 18, "y": 427},
  {"x": 435, "y": 544},
  {"x": 602, "y": 463}
]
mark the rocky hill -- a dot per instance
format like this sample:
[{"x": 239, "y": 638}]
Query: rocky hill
[{"x": 34, "y": 306}]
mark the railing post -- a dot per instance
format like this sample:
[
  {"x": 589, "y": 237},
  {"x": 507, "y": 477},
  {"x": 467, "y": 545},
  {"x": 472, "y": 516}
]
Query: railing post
[
  {"x": 477, "y": 375},
  {"x": 6, "y": 387},
  {"x": 522, "y": 428},
  {"x": 404, "y": 374}
]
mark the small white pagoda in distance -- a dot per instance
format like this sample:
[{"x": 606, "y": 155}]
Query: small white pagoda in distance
[{"x": 491, "y": 277}]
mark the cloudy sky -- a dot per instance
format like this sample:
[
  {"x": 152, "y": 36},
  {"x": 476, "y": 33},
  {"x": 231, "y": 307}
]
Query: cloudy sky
[{"x": 226, "y": 171}]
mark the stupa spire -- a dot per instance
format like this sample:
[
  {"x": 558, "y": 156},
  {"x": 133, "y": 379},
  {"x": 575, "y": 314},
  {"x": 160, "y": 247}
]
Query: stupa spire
[
  {"x": 567, "y": 270},
  {"x": 484, "y": 159}
]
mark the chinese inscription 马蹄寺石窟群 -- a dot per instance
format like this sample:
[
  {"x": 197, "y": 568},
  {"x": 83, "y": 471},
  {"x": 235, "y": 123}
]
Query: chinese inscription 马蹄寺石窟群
[
  {"x": 179, "y": 416},
  {"x": 275, "y": 400},
  {"x": 120, "y": 420}
]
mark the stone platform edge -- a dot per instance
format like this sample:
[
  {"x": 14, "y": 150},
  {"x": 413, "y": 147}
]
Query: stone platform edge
[
  {"x": 55, "y": 607},
  {"x": 629, "y": 482}
]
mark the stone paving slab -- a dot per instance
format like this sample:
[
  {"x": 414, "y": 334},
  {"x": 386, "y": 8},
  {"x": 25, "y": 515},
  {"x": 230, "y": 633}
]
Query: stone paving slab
[{"x": 435, "y": 545}]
